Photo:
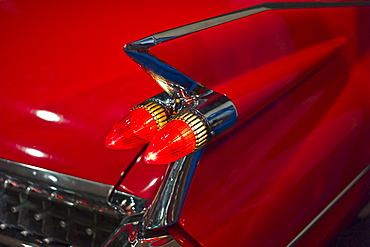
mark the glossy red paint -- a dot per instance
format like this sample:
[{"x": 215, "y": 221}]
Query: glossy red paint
[
  {"x": 299, "y": 78},
  {"x": 303, "y": 98},
  {"x": 65, "y": 79},
  {"x": 283, "y": 74},
  {"x": 151, "y": 177}
]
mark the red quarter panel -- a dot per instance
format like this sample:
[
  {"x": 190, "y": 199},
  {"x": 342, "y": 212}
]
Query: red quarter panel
[{"x": 263, "y": 182}]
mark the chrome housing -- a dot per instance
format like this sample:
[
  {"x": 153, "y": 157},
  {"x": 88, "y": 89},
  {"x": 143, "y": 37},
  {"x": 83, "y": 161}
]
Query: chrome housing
[{"x": 166, "y": 207}]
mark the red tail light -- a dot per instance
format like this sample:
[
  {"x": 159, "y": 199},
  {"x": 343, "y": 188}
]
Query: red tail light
[
  {"x": 177, "y": 139},
  {"x": 137, "y": 127}
]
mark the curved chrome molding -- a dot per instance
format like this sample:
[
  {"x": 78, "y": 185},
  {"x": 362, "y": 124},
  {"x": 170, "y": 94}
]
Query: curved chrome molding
[
  {"x": 179, "y": 85},
  {"x": 219, "y": 112},
  {"x": 173, "y": 82},
  {"x": 175, "y": 33},
  {"x": 329, "y": 206},
  {"x": 166, "y": 207}
]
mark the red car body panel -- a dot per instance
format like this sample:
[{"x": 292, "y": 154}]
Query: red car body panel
[
  {"x": 293, "y": 156},
  {"x": 299, "y": 80},
  {"x": 67, "y": 58}
]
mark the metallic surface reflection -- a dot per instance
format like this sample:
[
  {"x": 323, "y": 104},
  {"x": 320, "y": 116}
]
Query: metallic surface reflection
[{"x": 166, "y": 207}]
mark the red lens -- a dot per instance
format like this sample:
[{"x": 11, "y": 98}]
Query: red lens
[
  {"x": 174, "y": 141},
  {"x": 133, "y": 130}
]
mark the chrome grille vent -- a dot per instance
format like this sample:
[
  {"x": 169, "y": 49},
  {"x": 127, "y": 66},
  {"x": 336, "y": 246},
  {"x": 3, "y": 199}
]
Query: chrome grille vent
[{"x": 52, "y": 212}]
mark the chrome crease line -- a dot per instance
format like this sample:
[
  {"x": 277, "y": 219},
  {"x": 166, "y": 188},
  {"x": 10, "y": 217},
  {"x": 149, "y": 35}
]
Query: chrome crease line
[
  {"x": 328, "y": 207},
  {"x": 235, "y": 15}
]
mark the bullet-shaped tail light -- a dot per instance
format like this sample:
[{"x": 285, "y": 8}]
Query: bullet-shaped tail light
[
  {"x": 178, "y": 138},
  {"x": 138, "y": 126}
]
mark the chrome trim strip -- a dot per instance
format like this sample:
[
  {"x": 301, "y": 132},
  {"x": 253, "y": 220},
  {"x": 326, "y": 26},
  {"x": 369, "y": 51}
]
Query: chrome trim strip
[
  {"x": 55, "y": 178},
  {"x": 179, "y": 85},
  {"x": 166, "y": 207},
  {"x": 176, "y": 84},
  {"x": 329, "y": 206},
  {"x": 235, "y": 15}
]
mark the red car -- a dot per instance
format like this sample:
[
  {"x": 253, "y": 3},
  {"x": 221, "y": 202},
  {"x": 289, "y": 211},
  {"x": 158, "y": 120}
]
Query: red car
[{"x": 236, "y": 123}]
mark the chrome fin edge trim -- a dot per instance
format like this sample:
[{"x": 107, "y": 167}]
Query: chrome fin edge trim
[
  {"x": 167, "y": 205},
  {"x": 329, "y": 206},
  {"x": 174, "y": 33}
]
